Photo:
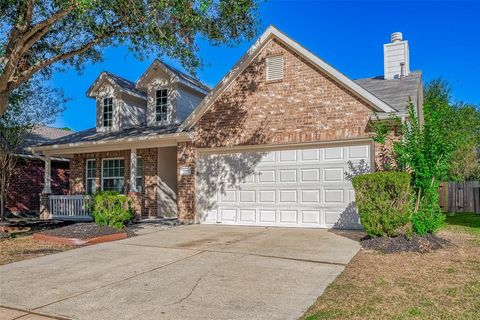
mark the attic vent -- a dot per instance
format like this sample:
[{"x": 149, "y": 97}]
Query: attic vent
[{"x": 274, "y": 68}]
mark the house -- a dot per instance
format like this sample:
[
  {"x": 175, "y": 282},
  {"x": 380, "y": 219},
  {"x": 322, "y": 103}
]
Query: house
[
  {"x": 268, "y": 145},
  {"x": 27, "y": 180}
]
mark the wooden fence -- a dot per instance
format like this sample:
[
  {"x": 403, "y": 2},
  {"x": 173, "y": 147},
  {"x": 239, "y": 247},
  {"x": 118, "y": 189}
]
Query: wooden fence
[{"x": 460, "y": 196}]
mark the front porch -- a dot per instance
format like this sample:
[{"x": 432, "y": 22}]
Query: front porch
[{"x": 147, "y": 175}]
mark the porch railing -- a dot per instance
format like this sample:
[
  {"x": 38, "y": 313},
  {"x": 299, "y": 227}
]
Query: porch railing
[{"x": 73, "y": 207}]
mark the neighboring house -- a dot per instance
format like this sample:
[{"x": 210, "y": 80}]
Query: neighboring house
[
  {"x": 27, "y": 180},
  {"x": 268, "y": 145}
]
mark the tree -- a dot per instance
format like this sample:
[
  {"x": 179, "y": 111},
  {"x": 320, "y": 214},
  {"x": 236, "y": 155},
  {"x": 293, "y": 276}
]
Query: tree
[
  {"x": 31, "y": 104},
  {"x": 38, "y": 34}
]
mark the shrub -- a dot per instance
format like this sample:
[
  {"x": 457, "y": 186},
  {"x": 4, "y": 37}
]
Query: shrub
[
  {"x": 383, "y": 201},
  {"x": 429, "y": 218},
  {"x": 111, "y": 209}
]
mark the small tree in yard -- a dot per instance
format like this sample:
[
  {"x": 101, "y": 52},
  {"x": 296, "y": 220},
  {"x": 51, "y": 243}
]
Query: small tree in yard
[
  {"x": 29, "y": 105},
  {"x": 35, "y": 35}
]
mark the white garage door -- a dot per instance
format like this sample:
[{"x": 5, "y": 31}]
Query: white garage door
[{"x": 288, "y": 188}]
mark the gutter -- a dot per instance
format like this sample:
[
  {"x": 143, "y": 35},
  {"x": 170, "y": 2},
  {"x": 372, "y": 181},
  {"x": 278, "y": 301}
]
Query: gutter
[{"x": 164, "y": 140}]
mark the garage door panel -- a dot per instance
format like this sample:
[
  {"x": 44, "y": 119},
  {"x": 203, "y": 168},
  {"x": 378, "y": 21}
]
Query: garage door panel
[
  {"x": 266, "y": 196},
  {"x": 248, "y": 216},
  {"x": 310, "y": 175},
  {"x": 288, "y": 216},
  {"x": 267, "y": 216},
  {"x": 303, "y": 187},
  {"x": 288, "y": 196},
  {"x": 310, "y": 196},
  {"x": 334, "y": 174}
]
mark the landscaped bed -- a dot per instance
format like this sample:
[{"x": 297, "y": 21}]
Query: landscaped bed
[
  {"x": 438, "y": 284},
  {"x": 82, "y": 234}
]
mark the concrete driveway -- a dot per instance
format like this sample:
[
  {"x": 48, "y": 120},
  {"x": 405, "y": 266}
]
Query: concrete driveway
[{"x": 190, "y": 272}]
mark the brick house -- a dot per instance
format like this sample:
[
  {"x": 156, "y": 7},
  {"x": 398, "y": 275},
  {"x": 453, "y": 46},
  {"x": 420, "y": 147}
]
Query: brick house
[
  {"x": 27, "y": 180},
  {"x": 269, "y": 145}
]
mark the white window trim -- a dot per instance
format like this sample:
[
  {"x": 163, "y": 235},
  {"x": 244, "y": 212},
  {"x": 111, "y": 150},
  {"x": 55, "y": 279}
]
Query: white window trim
[
  {"x": 168, "y": 106},
  {"x": 139, "y": 187},
  {"x": 87, "y": 178},
  {"x": 101, "y": 173},
  {"x": 103, "y": 112}
]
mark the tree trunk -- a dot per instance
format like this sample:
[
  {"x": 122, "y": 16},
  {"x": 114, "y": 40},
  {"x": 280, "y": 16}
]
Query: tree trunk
[{"x": 3, "y": 101}]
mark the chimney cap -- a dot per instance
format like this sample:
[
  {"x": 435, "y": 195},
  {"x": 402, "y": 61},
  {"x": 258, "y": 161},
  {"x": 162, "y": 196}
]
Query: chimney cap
[{"x": 396, "y": 37}]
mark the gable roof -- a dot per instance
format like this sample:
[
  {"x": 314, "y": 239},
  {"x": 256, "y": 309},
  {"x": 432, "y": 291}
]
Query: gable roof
[
  {"x": 269, "y": 34},
  {"x": 122, "y": 84},
  {"x": 395, "y": 92},
  {"x": 181, "y": 76}
]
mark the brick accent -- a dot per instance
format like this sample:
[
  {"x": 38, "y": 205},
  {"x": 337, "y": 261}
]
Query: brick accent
[
  {"x": 27, "y": 183},
  {"x": 44, "y": 206},
  {"x": 186, "y": 184},
  {"x": 305, "y": 106},
  {"x": 145, "y": 203}
]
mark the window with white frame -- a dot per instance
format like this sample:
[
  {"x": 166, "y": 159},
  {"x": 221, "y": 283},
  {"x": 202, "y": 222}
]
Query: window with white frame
[
  {"x": 90, "y": 176},
  {"x": 138, "y": 175},
  {"x": 107, "y": 112},
  {"x": 113, "y": 175},
  {"x": 161, "y": 105}
]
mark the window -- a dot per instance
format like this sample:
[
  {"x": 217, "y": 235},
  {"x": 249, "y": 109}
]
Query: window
[
  {"x": 90, "y": 176},
  {"x": 107, "y": 112},
  {"x": 113, "y": 175},
  {"x": 138, "y": 175},
  {"x": 274, "y": 68},
  {"x": 161, "y": 104}
]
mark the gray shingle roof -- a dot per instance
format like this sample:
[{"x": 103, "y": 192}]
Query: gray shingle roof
[
  {"x": 40, "y": 135},
  {"x": 91, "y": 135},
  {"x": 125, "y": 84},
  {"x": 187, "y": 77},
  {"x": 394, "y": 92}
]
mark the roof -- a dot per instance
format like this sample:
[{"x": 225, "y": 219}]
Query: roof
[
  {"x": 40, "y": 135},
  {"x": 124, "y": 84},
  {"x": 182, "y": 77},
  {"x": 395, "y": 92},
  {"x": 273, "y": 33},
  {"x": 188, "y": 78},
  {"x": 91, "y": 135}
]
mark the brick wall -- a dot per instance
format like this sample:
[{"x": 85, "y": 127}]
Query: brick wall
[
  {"x": 186, "y": 184},
  {"x": 27, "y": 183},
  {"x": 147, "y": 200},
  {"x": 306, "y": 106}
]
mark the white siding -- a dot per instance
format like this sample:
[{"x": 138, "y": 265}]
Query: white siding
[
  {"x": 187, "y": 101},
  {"x": 394, "y": 54}
]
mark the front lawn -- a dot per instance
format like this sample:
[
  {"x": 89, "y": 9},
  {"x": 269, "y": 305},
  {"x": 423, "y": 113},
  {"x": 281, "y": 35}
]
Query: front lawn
[
  {"x": 443, "y": 284},
  {"x": 24, "y": 247}
]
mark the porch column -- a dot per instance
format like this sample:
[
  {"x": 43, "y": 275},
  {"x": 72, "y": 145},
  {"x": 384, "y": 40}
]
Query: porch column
[
  {"x": 133, "y": 170},
  {"x": 47, "y": 181}
]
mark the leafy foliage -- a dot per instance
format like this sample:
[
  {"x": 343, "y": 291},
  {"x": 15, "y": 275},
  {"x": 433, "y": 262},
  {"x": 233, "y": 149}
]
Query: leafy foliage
[
  {"x": 383, "y": 201},
  {"x": 35, "y": 35},
  {"x": 31, "y": 104},
  {"x": 111, "y": 209}
]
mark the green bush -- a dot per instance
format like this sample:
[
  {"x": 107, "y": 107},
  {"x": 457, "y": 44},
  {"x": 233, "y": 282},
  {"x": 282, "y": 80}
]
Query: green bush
[
  {"x": 383, "y": 201},
  {"x": 429, "y": 218},
  {"x": 111, "y": 209}
]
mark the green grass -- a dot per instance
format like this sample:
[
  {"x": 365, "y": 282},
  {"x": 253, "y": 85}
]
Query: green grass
[{"x": 463, "y": 222}]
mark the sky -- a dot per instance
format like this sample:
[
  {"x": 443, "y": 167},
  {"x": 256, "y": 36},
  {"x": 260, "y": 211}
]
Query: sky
[{"x": 349, "y": 35}]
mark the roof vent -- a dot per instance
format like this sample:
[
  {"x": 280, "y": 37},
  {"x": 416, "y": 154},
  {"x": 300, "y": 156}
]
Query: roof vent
[
  {"x": 396, "y": 37},
  {"x": 274, "y": 68}
]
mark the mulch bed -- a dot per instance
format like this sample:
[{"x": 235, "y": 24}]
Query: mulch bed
[
  {"x": 82, "y": 231},
  {"x": 401, "y": 244}
]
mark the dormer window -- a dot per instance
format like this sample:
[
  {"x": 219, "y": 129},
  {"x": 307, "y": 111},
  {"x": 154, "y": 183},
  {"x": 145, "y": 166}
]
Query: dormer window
[
  {"x": 107, "y": 112},
  {"x": 161, "y": 105}
]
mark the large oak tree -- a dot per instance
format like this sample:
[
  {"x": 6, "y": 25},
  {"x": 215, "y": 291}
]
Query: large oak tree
[{"x": 38, "y": 35}]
